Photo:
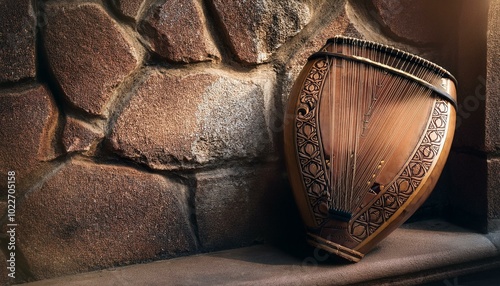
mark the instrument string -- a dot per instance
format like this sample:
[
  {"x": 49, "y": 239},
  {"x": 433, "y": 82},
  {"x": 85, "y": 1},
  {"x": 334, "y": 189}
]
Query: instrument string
[{"x": 363, "y": 133}]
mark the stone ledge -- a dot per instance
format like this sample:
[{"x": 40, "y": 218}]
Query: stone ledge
[{"x": 415, "y": 253}]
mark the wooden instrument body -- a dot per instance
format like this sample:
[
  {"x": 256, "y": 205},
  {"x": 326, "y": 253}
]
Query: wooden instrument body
[{"x": 368, "y": 136}]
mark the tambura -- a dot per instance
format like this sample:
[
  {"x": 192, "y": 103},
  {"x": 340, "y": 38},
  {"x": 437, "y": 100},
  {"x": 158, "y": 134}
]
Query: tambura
[{"x": 368, "y": 132}]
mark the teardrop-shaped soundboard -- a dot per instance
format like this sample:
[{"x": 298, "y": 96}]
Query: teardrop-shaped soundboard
[{"x": 368, "y": 132}]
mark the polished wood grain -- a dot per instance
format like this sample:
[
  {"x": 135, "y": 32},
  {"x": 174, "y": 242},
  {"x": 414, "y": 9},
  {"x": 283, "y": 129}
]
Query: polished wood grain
[{"x": 371, "y": 129}]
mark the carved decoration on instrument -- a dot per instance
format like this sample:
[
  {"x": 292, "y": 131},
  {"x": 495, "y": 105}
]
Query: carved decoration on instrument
[
  {"x": 371, "y": 130},
  {"x": 397, "y": 193},
  {"x": 313, "y": 169},
  {"x": 308, "y": 142}
]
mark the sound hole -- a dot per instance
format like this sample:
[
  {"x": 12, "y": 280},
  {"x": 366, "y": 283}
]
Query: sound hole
[{"x": 375, "y": 189}]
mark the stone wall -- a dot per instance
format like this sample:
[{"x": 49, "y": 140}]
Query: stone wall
[
  {"x": 474, "y": 161},
  {"x": 142, "y": 130}
]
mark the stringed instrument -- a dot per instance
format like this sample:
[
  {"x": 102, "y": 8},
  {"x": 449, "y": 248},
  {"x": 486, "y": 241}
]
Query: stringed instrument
[{"x": 369, "y": 131}]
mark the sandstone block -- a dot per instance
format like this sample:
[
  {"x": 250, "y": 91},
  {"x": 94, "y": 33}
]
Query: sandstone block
[
  {"x": 494, "y": 188},
  {"x": 17, "y": 40},
  {"x": 88, "y": 53},
  {"x": 233, "y": 206},
  {"x": 492, "y": 140},
  {"x": 339, "y": 25},
  {"x": 79, "y": 136},
  {"x": 255, "y": 29},
  {"x": 472, "y": 89},
  {"x": 28, "y": 119},
  {"x": 176, "y": 30},
  {"x": 129, "y": 8},
  {"x": 423, "y": 21},
  {"x": 89, "y": 216},
  {"x": 4, "y": 279},
  {"x": 181, "y": 120}
]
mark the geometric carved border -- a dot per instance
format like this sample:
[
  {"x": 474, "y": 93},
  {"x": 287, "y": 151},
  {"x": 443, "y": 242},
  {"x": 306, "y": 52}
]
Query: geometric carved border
[
  {"x": 308, "y": 142},
  {"x": 400, "y": 190},
  {"x": 312, "y": 169}
]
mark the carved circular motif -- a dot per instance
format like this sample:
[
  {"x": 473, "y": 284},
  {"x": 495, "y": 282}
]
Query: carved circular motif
[
  {"x": 435, "y": 137},
  {"x": 417, "y": 170},
  {"x": 427, "y": 152}
]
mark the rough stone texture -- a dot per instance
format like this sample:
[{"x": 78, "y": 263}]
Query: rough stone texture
[
  {"x": 4, "y": 279},
  {"x": 88, "y": 53},
  {"x": 89, "y": 216},
  {"x": 28, "y": 119},
  {"x": 339, "y": 25},
  {"x": 129, "y": 8},
  {"x": 424, "y": 21},
  {"x": 176, "y": 30},
  {"x": 471, "y": 75},
  {"x": 492, "y": 140},
  {"x": 3, "y": 208},
  {"x": 257, "y": 28},
  {"x": 233, "y": 206},
  {"x": 5, "y": 253},
  {"x": 17, "y": 40},
  {"x": 214, "y": 124},
  {"x": 176, "y": 120},
  {"x": 494, "y": 188},
  {"x": 79, "y": 136}
]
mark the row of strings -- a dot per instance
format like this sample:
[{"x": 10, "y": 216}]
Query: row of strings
[{"x": 370, "y": 113}]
